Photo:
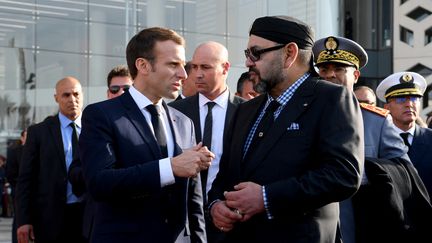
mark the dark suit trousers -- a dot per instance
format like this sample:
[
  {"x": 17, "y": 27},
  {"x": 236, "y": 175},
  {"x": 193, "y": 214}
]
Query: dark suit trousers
[{"x": 72, "y": 230}]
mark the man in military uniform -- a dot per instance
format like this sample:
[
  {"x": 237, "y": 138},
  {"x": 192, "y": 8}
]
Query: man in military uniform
[
  {"x": 339, "y": 61},
  {"x": 402, "y": 93}
]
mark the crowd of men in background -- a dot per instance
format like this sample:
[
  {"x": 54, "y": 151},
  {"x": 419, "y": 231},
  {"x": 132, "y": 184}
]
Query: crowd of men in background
[{"x": 298, "y": 153}]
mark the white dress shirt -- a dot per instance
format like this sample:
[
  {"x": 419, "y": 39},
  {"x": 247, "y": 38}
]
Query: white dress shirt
[
  {"x": 165, "y": 170},
  {"x": 219, "y": 113},
  {"x": 409, "y": 131},
  {"x": 66, "y": 132}
]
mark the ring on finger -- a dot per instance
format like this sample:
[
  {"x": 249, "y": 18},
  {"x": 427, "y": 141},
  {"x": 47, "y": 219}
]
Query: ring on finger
[{"x": 238, "y": 212}]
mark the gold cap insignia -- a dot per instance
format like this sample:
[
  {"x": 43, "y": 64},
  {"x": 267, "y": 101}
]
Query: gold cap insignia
[
  {"x": 331, "y": 44},
  {"x": 406, "y": 78}
]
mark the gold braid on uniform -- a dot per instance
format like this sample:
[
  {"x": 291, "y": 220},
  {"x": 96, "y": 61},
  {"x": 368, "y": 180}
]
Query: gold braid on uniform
[
  {"x": 403, "y": 92},
  {"x": 338, "y": 55}
]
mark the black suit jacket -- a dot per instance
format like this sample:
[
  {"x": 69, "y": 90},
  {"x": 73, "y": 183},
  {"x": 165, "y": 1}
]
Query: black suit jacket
[
  {"x": 310, "y": 159},
  {"x": 42, "y": 180},
  {"x": 421, "y": 156},
  {"x": 120, "y": 159},
  {"x": 394, "y": 206},
  {"x": 190, "y": 107},
  {"x": 14, "y": 153}
]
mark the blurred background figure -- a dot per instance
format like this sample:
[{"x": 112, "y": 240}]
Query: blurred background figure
[
  {"x": 118, "y": 80},
  {"x": 245, "y": 87},
  {"x": 365, "y": 95},
  {"x": 188, "y": 84},
  {"x": 12, "y": 170},
  {"x": 3, "y": 205}
]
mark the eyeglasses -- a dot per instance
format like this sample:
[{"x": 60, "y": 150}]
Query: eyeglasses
[
  {"x": 114, "y": 89},
  {"x": 401, "y": 100},
  {"x": 254, "y": 55}
]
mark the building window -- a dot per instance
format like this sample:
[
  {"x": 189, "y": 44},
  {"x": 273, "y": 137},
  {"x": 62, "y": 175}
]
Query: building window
[
  {"x": 403, "y": 1},
  {"x": 428, "y": 36},
  {"x": 419, "y": 14},
  {"x": 406, "y": 36},
  {"x": 421, "y": 69}
]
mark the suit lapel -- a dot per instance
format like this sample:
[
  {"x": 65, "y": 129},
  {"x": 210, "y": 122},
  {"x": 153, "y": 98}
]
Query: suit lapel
[
  {"x": 55, "y": 130},
  {"x": 418, "y": 145},
  {"x": 177, "y": 149},
  {"x": 138, "y": 120},
  {"x": 299, "y": 103},
  {"x": 232, "y": 104},
  {"x": 195, "y": 116}
]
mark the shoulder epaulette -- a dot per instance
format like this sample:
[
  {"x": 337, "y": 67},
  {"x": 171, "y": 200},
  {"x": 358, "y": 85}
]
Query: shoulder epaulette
[{"x": 377, "y": 110}]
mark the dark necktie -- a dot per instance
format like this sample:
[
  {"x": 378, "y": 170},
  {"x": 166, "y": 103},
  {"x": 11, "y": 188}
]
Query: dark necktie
[
  {"x": 404, "y": 136},
  {"x": 264, "y": 125},
  {"x": 78, "y": 190},
  {"x": 158, "y": 129},
  {"x": 267, "y": 121},
  {"x": 207, "y": 137},
  {"x": 74, "y": 139}
]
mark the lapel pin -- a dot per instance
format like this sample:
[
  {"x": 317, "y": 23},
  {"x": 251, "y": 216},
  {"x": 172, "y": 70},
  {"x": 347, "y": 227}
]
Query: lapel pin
[
  {"x": 260, "y": 134},
  {"x": 305, "y": 104}
]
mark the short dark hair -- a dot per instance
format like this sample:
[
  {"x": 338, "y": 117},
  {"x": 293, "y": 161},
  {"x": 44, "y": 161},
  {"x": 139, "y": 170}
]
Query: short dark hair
[
  {"x": 142, "y": 45},
  {"x": 117, "y": 71},
  {"x": 188, "y": 67},
  {"x": 240, "y": 83}
]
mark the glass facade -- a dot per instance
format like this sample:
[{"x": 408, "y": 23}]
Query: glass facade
[{"x": 42, "y": 41}]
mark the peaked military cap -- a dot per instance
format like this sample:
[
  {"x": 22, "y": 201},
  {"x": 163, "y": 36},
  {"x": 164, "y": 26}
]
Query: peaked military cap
[
  {"x": 334, "y": 49},
  {"x": 401, "y": 84}
]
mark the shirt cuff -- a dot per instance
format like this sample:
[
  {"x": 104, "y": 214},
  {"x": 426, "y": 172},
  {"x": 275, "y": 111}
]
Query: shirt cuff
[
  {"x": 166, "y": 173},
  {"x": 266, "y": 204},
  {"x": 208, "y": 209}
]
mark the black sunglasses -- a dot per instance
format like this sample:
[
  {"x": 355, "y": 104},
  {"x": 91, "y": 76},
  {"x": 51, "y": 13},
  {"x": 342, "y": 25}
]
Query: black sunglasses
[
  {"x": 114, "y": 89},
  {"x": 254, "y": 55}
]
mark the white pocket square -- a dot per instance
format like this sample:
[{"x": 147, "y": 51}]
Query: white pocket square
[{"x": 293, "y": 126}]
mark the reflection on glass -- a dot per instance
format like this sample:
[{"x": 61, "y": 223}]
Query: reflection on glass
[
  {"x": 73, "y": 9},
  {"x": 61, "y": 35},
  {"x": 100, "y": 66},
  {"x": 115, "y": 12},
  {"x": 16, "y": 30},
  {"x": 108, "y": 39},
  {"x": 16, "y": 86},
  {"x": 52, "y": 66},
  {"x": 207, "y": 17}
]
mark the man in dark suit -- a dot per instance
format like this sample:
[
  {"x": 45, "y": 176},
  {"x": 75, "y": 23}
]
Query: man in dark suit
[
  {"x": 209, "y": 72},
  {"x": 118, "y": 81},
  {"x": 144, "y": 184},
  {"x": 294, "y": 152},
  {"x": 14, "y": 153},
  {"x": 47, "y": 208},
  {"x": 402, "y": 93}
]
